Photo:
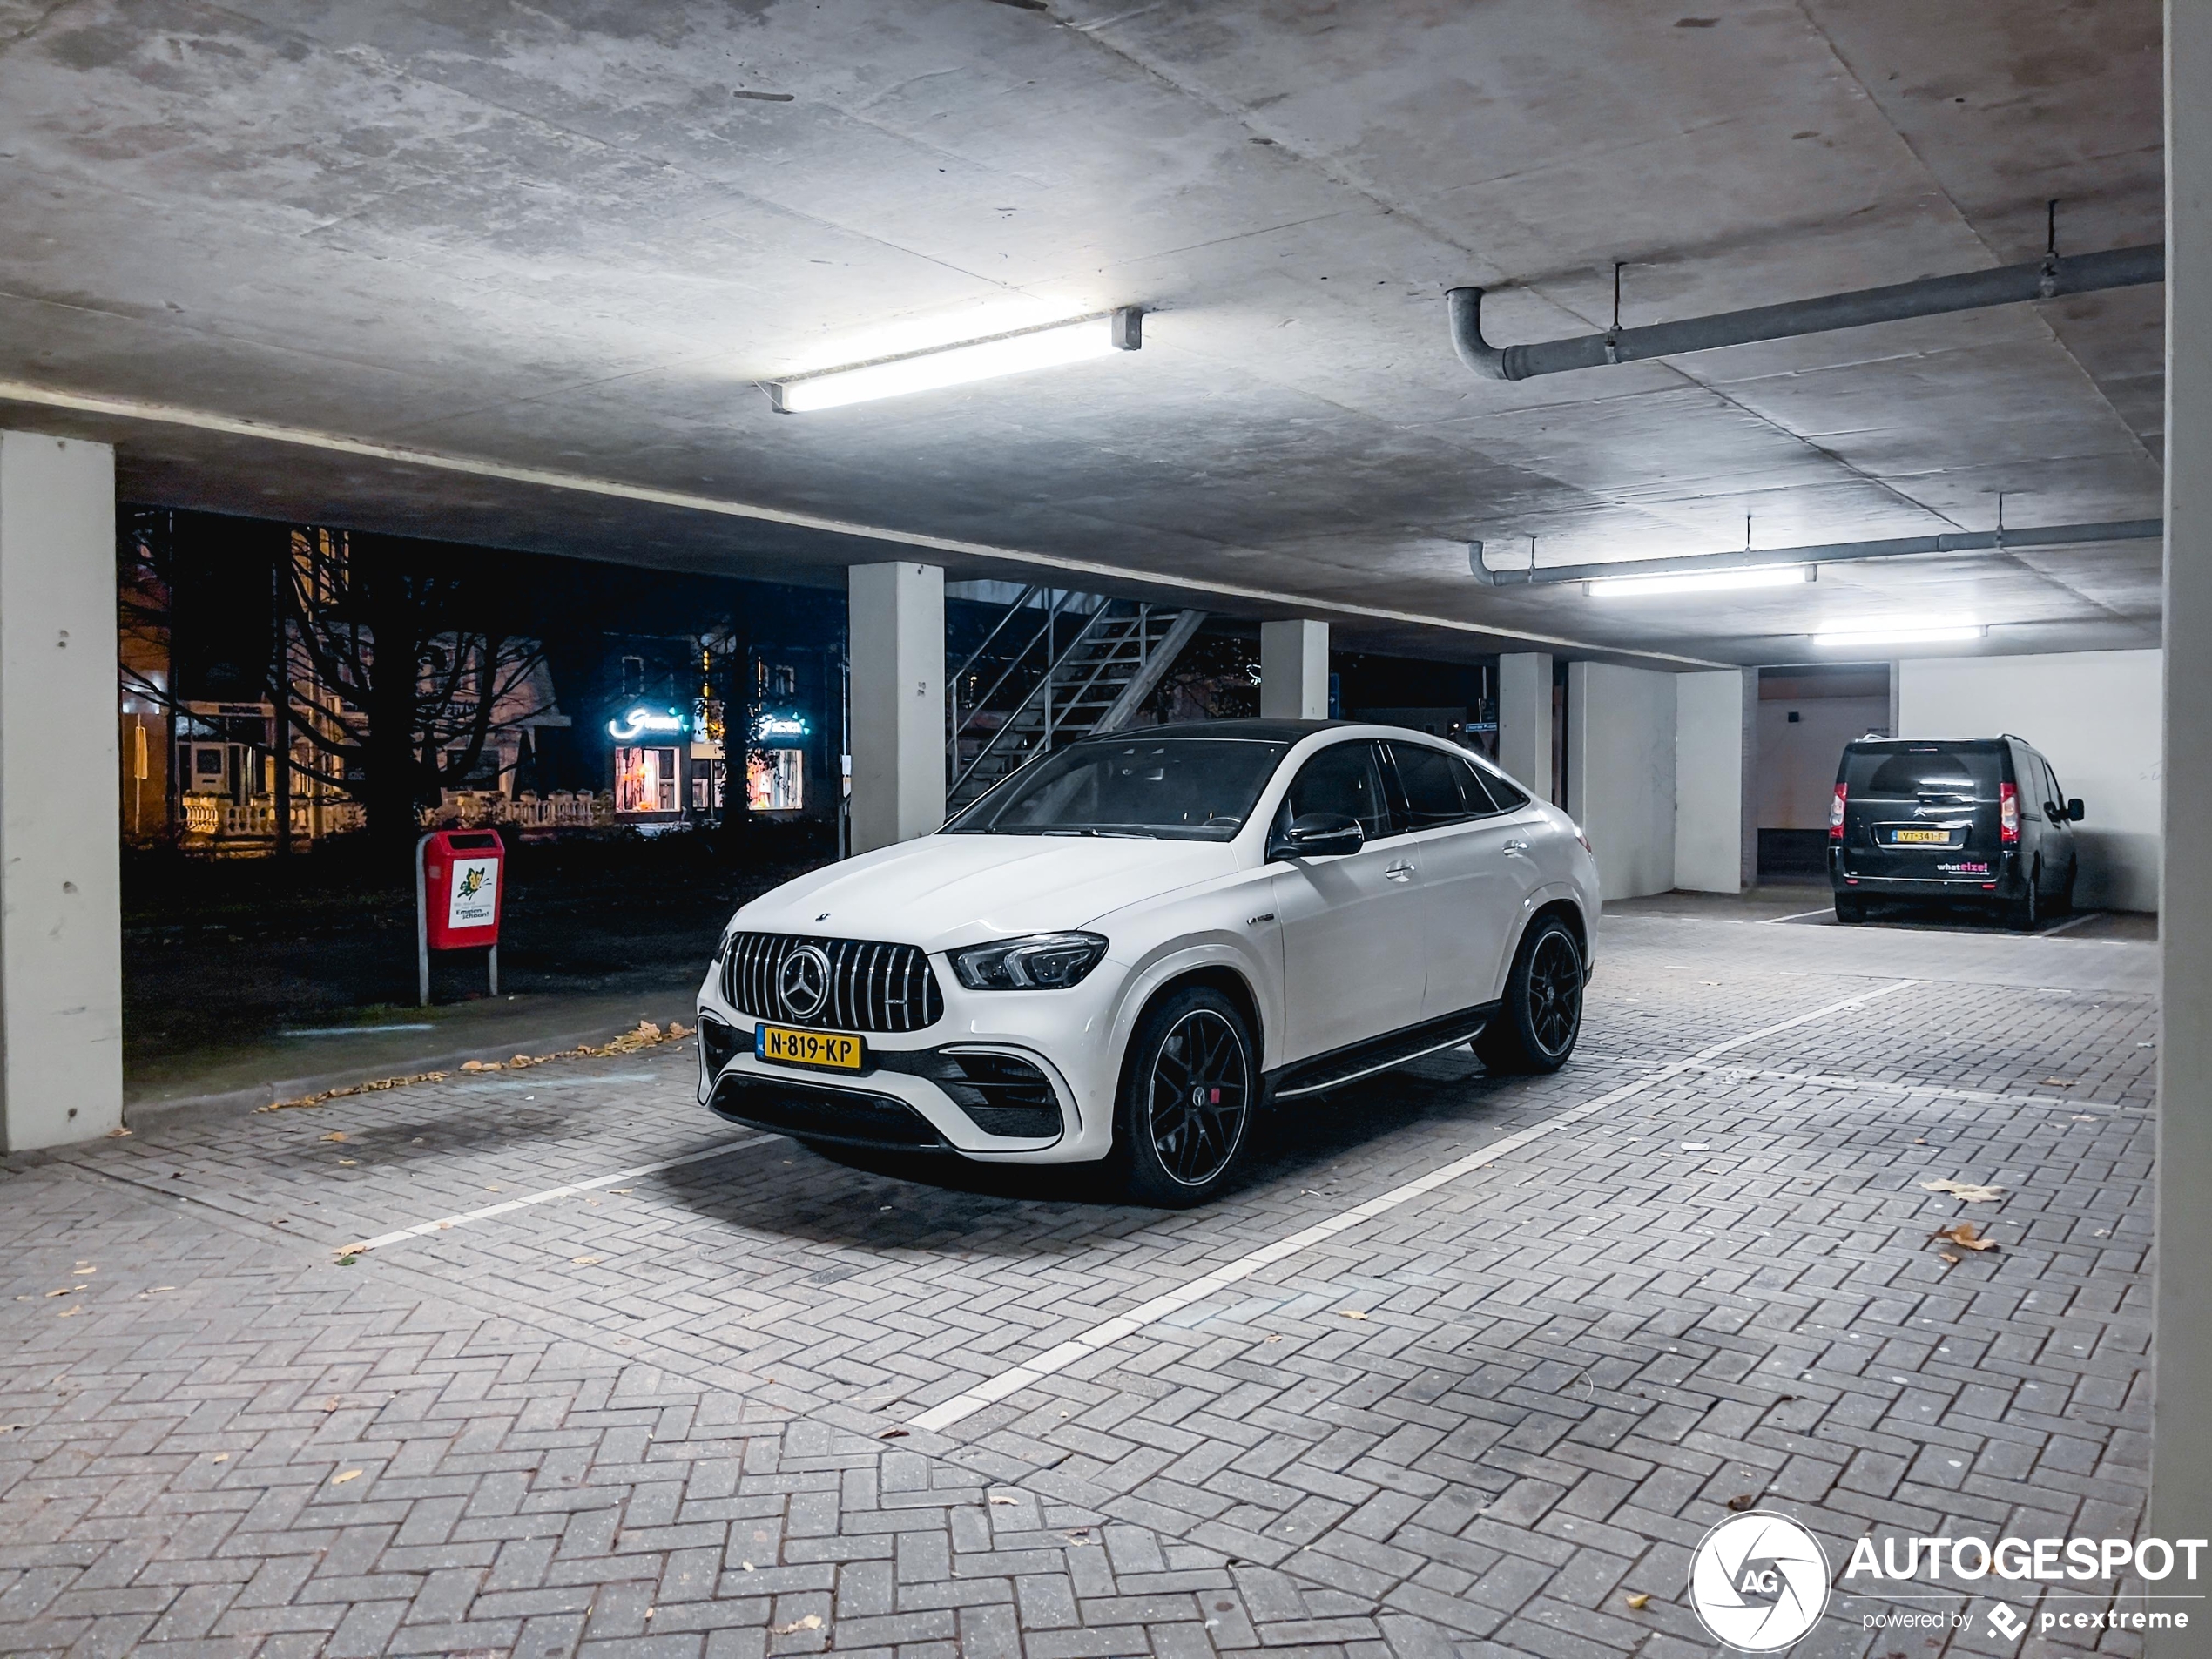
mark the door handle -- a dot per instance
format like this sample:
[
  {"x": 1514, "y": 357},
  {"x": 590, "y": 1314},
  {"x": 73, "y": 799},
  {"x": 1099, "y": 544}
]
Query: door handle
[
  {"x": 1514, "y": 846},
  {"x": 1400, "y": 871}
]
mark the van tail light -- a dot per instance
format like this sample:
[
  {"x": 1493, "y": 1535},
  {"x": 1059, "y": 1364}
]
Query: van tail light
[
  {"x": 1836, "y": 814},
  {"x": 2008, "y": 815}
]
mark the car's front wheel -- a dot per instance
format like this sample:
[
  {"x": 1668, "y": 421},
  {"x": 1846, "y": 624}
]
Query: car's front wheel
[
  {"x": 1189, "y": 1090},
  {"x": 1537, "y": 1022}
]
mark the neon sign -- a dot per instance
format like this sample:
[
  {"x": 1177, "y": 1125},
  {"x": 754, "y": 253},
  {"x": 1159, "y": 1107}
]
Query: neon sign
[
  {"x": 638, "y": 721},
  {"x": 779, "y": 725}
]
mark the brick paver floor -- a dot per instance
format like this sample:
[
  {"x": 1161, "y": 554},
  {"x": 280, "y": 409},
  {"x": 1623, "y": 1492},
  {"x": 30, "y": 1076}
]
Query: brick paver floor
[{"x": 684, "y": 1414}]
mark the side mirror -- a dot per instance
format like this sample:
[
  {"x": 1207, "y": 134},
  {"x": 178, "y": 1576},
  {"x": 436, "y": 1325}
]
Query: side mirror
[
  {"x": 1318, "y": 834},
  {"x": 2075, "y": 809}
]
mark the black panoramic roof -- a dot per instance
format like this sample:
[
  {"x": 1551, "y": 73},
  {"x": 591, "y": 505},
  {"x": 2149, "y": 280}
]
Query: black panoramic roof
[{"x": 1251, "y": 731}]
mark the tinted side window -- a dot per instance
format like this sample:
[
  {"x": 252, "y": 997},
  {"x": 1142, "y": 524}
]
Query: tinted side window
[
  {"x": 2056, "y": 797},
  {"x": 1501, "y": 791},
  {"x": 1432, "y": 780},
  {"x": 1342, "y": 780}
]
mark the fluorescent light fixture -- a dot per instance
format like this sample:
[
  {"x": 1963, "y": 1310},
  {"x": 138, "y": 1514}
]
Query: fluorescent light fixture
[
  {"x": 1901, "y": 633},
  {"x": 973, "y": 360},
  {"x": 1662, "y": 585}
]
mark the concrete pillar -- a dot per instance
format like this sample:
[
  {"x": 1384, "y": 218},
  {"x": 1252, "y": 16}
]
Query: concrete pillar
[
  {"x": 61, "y": 911},
  {"x": 2181, "y": 1409},
  {"x": 1524, "y": 719},
  {"x": 1294, "y": 671},
  {"x": 896, "y": 631},
  {"x": 1716, "y": 836},
  {"x": 1621, "y": 773}
]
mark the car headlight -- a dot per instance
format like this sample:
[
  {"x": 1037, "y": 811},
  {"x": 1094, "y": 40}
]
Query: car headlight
[{"x": 1036, "y": 962}]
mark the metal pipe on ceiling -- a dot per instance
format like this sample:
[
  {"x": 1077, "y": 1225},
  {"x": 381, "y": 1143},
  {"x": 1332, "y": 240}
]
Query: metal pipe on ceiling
[
  {"x": 2049, "y": 278},
  {"x": 1999, "y": 541}
]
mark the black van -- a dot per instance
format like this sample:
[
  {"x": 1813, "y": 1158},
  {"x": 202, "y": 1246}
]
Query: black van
[{"x": 1974, "y": 819}]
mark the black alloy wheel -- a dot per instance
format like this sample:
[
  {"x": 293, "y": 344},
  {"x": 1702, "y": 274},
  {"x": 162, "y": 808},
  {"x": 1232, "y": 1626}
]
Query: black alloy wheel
[
  {"x": 1537, "y": 1025},
  {"x": 1849, "y": 907},
  {"x": 1188, "y": 1091}
]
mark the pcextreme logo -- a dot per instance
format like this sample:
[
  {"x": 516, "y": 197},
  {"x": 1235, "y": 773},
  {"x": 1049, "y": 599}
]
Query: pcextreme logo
[{"x": 1758, "y": 1582}]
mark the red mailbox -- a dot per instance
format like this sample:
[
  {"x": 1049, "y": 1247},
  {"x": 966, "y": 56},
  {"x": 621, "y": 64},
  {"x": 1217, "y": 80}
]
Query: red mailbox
[{"x": 456, "y": 898}]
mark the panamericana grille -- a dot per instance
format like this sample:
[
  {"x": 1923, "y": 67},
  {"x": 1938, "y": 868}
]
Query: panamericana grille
[{"x": 872, "y": 987}]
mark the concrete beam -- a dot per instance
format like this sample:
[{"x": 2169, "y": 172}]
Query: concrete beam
[
  {"x": 1524, "y": 719},
  {"x": 896, "y": 630},
  {"x": 61, "y": 913},
  {"x": 1294, "y": 671}
]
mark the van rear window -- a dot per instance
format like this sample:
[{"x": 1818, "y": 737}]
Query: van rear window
[{"x": 1923, "y": 769}]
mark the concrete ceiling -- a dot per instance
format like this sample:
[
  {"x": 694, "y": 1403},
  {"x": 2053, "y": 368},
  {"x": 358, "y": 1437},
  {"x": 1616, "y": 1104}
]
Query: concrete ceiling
[{"x": 511, "y": 273}]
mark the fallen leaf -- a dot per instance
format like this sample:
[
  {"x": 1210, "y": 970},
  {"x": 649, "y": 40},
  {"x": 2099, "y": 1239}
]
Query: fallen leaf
[
  {"x": 892, "y": 1434},
  {"x": 118, "y": 1133},
  {"x": 347, "y": 1163},
  {"x": 1351, "y": 1313},
  {"x": 66, "y": 1290},
  {"x": 2085, "y": 1117},
  {"x": 1743, "y": 1501},
  {"x": 587, "y": 1261},
  {"x": 220, "y": 1457},
  {"x": 160, "y": 1287},
  {"x": 625, "y": 1191},
  {"x": 1638, "y": 1602},
  {"x": 491, "y": 1189},
  {"x": 335, "y": 1134},
  {"x": 1000, "y": 1497},
  {"x": 347, "y": 1260},
  {"x": 746, "y": 1565},
  {"x": 1964, "y": 1192},
  {"x": 1963, "y": 1233},
  {"x": 81, "y": 1270},
  {"x": 482, "y": 1065},
  {"x": 73, "y": 1310},
  {"x": 1950, "y": 1258},
  {"x": 340, "y": 1480},
  {"x": 1275, "y": 1338},
  {"x": 811, "y": 1622},
  {"x": 2059, "y": 1082}
]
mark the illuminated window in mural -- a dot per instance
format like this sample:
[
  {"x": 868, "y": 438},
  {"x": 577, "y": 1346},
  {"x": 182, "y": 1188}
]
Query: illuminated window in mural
[
  {"x": 773, "y": 781},
  {"x": 645, "y": 779}
]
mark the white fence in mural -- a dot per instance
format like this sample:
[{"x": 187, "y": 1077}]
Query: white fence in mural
[{"x": 215, "y": 818}]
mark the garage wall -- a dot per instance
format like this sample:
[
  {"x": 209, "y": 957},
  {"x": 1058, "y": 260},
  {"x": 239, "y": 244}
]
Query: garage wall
[
  {"x": 2096, "y": 714},
  {"x": 1715, "y": 846},
  {"x": 1621, "y": 773},
  {"x": 1797, "y": 758}
]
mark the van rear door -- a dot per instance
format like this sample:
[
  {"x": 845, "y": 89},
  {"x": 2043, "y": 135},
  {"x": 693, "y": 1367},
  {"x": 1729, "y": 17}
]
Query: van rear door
[{"x": 1923, "y": 811}]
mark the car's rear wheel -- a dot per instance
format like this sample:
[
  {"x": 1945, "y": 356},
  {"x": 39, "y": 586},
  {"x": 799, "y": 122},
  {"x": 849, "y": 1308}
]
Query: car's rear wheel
[
  {"x": 1188, "y": 1093},
  {"x": 1537, "y": 1023},
  {"x": 1849, "y": 907},
  {"x": 2025, "y": 913}
]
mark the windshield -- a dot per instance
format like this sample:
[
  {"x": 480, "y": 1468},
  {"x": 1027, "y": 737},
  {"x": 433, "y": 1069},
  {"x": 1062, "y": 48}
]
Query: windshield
[
  {"x": 1199, "y": 789},
  {"x": 1956, "y": 770}
]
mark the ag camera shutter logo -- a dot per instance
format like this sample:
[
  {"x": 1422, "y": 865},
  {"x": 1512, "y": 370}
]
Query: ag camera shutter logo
[{"x": 1758, "y": 1582}]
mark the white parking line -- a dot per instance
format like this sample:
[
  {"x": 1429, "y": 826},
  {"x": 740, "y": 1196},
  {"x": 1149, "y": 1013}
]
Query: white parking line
[
  {"x": 2074, "y": 921},
  {"x": 995, "y": 1389},
  {"x": 423, "y": 1228},
  {"x": 1824, "y": 910}
]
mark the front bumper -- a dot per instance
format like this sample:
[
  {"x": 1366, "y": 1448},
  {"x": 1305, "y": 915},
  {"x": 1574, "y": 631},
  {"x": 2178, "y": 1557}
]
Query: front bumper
[{"x": 919, "y": 1092}]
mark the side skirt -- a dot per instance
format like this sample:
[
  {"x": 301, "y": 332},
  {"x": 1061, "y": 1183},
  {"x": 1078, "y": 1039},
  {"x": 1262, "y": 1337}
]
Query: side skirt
[{"x": 1341, "y": 1066}]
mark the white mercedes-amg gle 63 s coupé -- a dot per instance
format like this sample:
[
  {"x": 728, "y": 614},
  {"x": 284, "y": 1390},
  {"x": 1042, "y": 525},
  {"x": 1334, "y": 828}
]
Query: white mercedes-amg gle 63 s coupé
[{"x": 1134, "y": 944}]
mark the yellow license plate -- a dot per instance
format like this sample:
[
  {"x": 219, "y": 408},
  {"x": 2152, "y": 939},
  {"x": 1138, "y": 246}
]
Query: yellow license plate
[
  {"x": 1941, "y": 837},
  {"x": 832, "y": 1050}
]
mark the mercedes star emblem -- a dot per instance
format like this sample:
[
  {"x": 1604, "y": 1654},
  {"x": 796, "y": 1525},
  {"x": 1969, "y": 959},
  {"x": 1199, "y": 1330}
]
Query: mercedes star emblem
[{"x": 804, "y": 982}]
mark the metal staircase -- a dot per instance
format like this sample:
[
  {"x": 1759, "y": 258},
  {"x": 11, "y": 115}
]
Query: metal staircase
[{"x": 1058, "y": 666}]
